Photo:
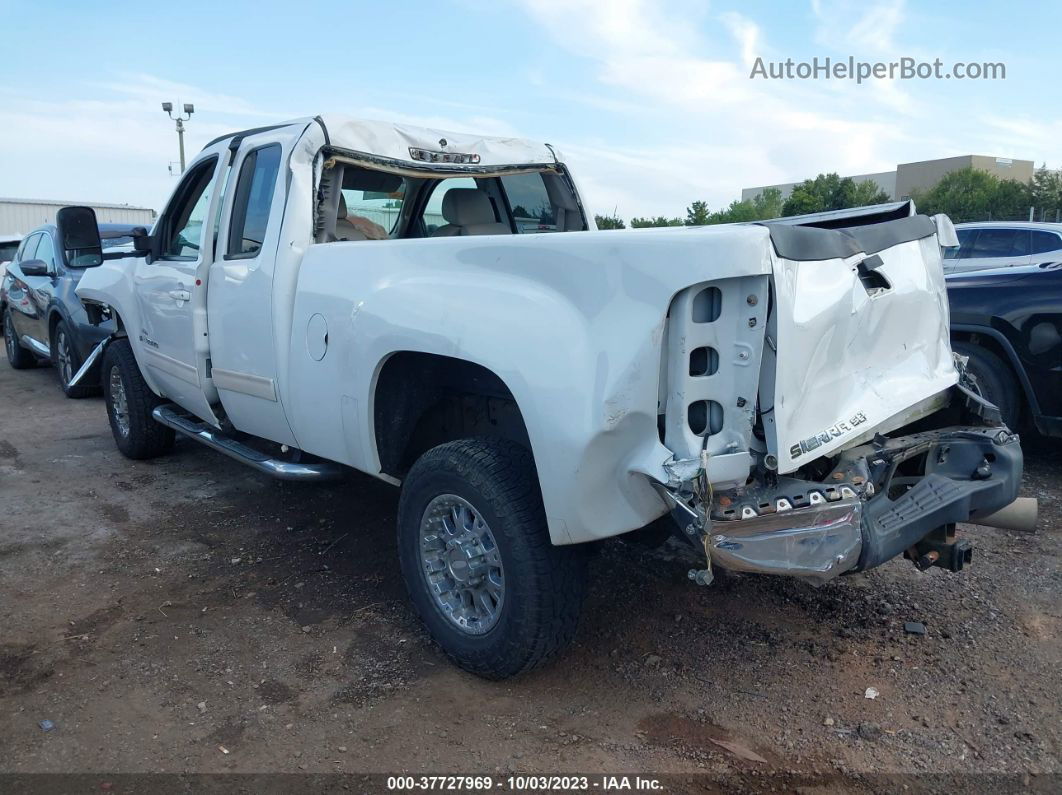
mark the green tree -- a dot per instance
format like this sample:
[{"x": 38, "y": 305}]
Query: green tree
[
  {"x": 831, "y": 192},
  {"x": 609, "y": 222},
  {"x": 660, "y": 220},
  {"x": 737, "y": 212},
  {"x": 971, "y": 194},
  {"x": 768, "y": 204},
  {"x": 1045, "y": 193},
  {"x": 697, "y": 214}
]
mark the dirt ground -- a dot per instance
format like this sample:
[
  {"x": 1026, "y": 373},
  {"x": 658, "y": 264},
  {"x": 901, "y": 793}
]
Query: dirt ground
[{"x": 187, "y": 614}]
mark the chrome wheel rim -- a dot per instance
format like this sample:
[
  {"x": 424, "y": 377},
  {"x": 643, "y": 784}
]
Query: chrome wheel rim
[
  {"x": 63, "y": 355},
  {"x": 461, "y": 564},
  {"x": 119, "y": 404}
]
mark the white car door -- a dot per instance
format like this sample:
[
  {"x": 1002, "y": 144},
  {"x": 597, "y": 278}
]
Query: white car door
[
  {"x": 240, "y": 306},
  {"x": 169, "y": 287}
]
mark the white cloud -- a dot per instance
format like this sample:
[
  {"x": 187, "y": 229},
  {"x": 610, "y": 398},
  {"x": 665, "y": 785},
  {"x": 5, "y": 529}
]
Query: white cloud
[
  {"x": 718, "y": 131},
  {"x": 859, "y": 27},
  {"x": 111, "y": 142}
]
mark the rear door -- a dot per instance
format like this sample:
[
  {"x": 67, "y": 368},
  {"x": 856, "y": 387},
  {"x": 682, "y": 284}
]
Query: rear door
[
  {"x": 240, "y": 293},
  {"x": 169, "y": 290}
]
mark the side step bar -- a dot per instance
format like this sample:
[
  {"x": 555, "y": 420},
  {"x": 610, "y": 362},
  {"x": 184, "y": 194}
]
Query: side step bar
[{"x": 193, "y": 428}]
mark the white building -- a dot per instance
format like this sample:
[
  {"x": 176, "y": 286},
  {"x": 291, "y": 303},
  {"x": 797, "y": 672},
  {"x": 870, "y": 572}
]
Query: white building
[{"x": 19, "y": 216}]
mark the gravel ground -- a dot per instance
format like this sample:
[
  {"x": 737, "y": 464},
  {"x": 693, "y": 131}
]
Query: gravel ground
[{"x": 186, "y": 614}]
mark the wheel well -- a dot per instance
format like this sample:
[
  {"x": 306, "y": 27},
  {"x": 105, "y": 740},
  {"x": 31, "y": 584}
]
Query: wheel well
[
  {"x": 992, "y": 345},
  {"x": 53, "y": 320},
  {"x": 423, "y": 400}
]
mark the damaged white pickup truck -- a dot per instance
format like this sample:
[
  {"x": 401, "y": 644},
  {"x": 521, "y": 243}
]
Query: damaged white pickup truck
[{"x": 435, "y": 309}]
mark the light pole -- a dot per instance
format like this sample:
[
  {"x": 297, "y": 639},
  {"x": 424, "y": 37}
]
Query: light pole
[{"x": 188, "y": 109}]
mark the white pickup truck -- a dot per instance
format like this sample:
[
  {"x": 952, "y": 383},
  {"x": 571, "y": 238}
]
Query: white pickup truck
[{"x": 437, "y": 310}]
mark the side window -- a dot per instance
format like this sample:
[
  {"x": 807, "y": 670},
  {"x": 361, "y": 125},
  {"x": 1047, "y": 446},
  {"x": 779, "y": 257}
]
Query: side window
[
  {"x": 1042, "y": 242},
  {"x": 29, "y": 245},
  {"x": 45, "y": 251},
  {"x": 252, "y": 201},
  {"x": 534, "y": 209},
  {"x": 1020, "y": 246},
  {"x": 370, "y": 204},
  {"x": 966, "y": 239},
  {"x": 999, "y": 243},
  {"x": 433, "y": 215},
  {"x": 186, "y": 215}
]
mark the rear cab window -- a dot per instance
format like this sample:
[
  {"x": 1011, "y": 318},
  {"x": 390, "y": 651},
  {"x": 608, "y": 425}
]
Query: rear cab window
[{"x": 376, "y": 204}]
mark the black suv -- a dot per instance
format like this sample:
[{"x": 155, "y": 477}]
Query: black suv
[
  {"x": 1009, "y": 322},
  {"x": 42, "y": 317}
]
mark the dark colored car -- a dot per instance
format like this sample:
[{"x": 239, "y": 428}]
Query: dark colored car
[
  {"x": 1009, "y": 322},
  {"x": 42, "y": 317}
]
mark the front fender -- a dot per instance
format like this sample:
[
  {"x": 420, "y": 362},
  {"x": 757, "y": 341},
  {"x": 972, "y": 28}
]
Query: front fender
[{"x": 111, "y": 283}]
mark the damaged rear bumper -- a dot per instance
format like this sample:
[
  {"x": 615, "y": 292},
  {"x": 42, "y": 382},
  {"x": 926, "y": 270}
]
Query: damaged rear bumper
[{"x": 881, "y": 500}]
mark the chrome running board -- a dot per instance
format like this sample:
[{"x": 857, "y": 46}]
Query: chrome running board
[{"x": 194, "y": 428}]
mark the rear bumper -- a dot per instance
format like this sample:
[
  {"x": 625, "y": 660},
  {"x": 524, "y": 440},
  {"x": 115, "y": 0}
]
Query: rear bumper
[
  {"x": 969, "y": 472},
  {"x": 882, "y": 499}
]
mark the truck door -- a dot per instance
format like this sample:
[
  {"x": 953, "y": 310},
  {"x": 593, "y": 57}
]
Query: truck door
[
  {"x": 240, "y": 306},
  {"x": 170, "y": 292}
]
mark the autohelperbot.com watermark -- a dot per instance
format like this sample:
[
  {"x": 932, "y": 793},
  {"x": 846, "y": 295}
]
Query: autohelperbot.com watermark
[{"x": 862, "y": 71}]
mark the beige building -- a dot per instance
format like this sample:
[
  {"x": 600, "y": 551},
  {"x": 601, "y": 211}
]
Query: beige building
[
  {"x": 19, "y": 216},
  {"x": 924, "y": 174}
]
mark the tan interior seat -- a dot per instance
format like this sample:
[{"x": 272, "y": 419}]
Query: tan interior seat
[
  {"x": 468, "y": 211},
  {"x": 345, "y": 230}
]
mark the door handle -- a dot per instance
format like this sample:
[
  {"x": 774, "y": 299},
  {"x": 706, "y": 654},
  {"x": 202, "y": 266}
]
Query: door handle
[{"x": 180, "y": 295}]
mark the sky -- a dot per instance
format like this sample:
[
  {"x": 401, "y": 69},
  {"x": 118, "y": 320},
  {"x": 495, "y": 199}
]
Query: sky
[{"x": 650, "y": 102}]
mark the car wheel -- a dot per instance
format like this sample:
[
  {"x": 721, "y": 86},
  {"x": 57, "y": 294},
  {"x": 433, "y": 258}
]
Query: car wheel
[
  {"x": 67, "y": 362},
  {"x": 995, "y": 380},
  {"x": 477, "y": 560},
  {"x": 17, "y": 356},
  {"x": 130, "y": 402}
]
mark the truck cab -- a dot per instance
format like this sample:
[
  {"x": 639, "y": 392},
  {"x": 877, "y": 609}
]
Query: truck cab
[{"x": 436, "y": 310}]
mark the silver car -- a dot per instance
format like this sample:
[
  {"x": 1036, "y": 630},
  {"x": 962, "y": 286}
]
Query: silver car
[{"x": 1002, "y": 244}]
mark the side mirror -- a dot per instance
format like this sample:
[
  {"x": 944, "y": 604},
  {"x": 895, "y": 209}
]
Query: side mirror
[
  {"x": 142, "y": 243},
  {"x": 34, "y": 267},
  {"x": 79, "y": 236}
]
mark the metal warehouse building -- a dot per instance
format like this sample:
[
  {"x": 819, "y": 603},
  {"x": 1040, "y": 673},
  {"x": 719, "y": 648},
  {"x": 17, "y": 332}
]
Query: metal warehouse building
[{"x": 19, "y": 216}]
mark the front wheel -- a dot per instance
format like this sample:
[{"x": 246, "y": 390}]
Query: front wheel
[
  {"x": 67, "y": 362},
  {"x": 477, "y": 560},
  {"x": 995, "y": 380},
  {"x": 130, "y": 402}
]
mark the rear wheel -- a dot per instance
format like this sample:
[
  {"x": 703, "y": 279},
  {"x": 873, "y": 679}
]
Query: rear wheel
[
  {"x": 995, "y": 380},
  {"x": 67, "y": 362},
  {"x": 476, "y": 556},
  {"x": 130, "y": 402},
  {"x": 17, "y": 356}
]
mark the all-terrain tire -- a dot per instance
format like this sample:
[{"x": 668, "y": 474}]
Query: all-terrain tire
[
  {"x": 130, "y": 402},
  {"x": 67, "y": 362},
  {"x": 17, "y": 356},
  {"x": 995, "y": 379},
  {"x": 544, "y": 585}
]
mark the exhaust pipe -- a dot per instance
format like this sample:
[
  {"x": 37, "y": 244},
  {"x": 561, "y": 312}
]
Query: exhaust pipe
[{"x": 1019, "y": 515}]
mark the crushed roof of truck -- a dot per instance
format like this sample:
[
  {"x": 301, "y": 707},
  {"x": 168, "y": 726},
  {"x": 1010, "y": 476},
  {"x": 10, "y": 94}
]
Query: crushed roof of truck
[{"x": 416, "y": 145}]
